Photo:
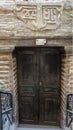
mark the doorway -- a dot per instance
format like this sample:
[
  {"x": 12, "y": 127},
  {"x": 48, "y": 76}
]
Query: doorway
[{"x": 39, "y": 85}]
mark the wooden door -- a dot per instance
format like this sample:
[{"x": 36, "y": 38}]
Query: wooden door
[{"x": 38, "y": 85}]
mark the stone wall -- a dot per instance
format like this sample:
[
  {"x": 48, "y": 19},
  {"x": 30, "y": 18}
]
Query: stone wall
[
  {"x": 8, "y": 76},
  {"x": 66, "y": 82},
  {"x": 5, "y": 68},
  {"x": 70, "y": 74}
]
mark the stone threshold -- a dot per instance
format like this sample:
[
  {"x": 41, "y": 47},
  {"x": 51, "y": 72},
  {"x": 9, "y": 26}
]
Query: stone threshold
[{"x": 37, "y": 127}]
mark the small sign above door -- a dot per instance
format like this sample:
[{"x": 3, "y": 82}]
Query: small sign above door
[{"x": 40, "y": 42}]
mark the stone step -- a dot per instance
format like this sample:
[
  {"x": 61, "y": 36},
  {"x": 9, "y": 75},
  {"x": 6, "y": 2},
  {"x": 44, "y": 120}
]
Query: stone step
[
  {"x": 41, "y": 128},
  {"x": 37, "y": 127}
]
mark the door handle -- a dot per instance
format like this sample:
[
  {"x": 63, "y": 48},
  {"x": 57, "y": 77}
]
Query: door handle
[{"x": 40, "y": 83}]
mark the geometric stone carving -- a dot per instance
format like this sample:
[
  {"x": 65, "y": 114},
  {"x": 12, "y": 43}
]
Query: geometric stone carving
[{"x": 40, "y": 17}]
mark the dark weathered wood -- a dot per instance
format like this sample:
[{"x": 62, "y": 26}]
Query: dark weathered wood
[
  {"x": 38, "y": 78},
  {"x": 49, "y": 89}
]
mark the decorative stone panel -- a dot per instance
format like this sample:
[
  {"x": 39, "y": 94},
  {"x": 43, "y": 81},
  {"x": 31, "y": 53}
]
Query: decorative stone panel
[
  {"x": 31, "y": 19},
  {"x": 13, "y": 79},
  {"x": 15, "y": 89},
  {"x": 40, "y": 17}
]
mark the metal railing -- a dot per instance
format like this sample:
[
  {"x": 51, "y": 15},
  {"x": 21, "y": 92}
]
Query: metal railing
[
  {"x": 6, "y": 110},
  {"x": 69, "y": 111}
]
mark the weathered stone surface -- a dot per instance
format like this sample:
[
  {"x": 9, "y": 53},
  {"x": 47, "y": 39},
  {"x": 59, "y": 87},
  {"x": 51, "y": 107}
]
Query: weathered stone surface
[
  {"x": 66, "y": 81},
  {"x": 7, "y": 45},
  {"x": 34, "y": 20},
  {"x": 5, "y": 70}
]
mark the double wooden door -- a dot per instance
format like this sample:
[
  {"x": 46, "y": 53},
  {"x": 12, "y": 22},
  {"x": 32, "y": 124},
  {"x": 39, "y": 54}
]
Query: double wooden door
[{"x": 38, "y": 85}]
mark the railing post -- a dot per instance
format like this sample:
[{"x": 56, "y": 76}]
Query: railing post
[
  {"x": 0, "y": 113},
  {"x": 6, "y": 109},
  {"x": 11, "y": 105},
  {"x": 69, "y": 111},
  {"x": 11, "y": 100},
  {"x": 66, "y": 118}
]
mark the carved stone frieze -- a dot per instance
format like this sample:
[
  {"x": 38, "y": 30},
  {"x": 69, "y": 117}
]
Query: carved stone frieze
[{"x": 40, "y": 17}]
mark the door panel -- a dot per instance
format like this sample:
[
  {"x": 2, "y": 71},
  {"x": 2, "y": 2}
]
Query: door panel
[
  {"x": 26, "y": 67},
  {"x": 49, "y": 65},
  {"x": 38, "y": 79},
  {"x": 48, "y": 111}
]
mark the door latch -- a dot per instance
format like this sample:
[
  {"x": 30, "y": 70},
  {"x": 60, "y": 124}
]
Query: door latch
[{"x": 40, "y": 83}]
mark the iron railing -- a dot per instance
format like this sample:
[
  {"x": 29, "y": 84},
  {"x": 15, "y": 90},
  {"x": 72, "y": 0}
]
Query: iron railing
[
  {"x": 69, "y": 111},
  {"x": 6, "y": 110}
]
